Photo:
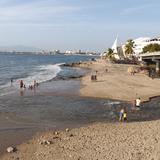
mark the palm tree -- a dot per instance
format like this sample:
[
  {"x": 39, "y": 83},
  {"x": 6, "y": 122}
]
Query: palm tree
[
  {"x": 129, "y": 47},
  {"x": 110, "y": 53}
]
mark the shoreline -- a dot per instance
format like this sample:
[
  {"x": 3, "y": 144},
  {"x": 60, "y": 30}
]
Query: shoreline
[{"x": 64, "y": 147}]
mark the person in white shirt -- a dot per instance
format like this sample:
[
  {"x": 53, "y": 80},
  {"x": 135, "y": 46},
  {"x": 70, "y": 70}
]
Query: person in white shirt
[{"x": 138, "y": 102}]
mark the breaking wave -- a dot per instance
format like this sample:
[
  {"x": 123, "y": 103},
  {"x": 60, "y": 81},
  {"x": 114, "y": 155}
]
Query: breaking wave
[{"x": 41, "y": 74}]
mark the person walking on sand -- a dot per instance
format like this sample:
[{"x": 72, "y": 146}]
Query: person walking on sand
[
  {"x": 138, "y": 103},
  {"x": 152, "y": 73},
  {"x": 95, "y": 75}
]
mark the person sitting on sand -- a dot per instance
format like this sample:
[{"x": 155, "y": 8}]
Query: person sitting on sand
[{"x": 121, "y": 115}]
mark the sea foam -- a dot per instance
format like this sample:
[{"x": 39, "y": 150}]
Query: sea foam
[{"x": 40, "y": 74}]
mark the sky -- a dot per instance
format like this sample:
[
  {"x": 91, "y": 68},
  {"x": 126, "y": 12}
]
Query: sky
[{"x": 89, "y": 25}]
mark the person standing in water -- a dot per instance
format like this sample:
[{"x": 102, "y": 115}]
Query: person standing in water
[
  {"x": 34, "y": 83},
  {"x": 21, "y": 84},
  {"x": 11, "y": 82}
]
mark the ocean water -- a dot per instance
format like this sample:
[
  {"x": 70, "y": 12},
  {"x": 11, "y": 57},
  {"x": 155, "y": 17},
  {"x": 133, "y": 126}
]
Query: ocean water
[{"x": 34, "y": 67}]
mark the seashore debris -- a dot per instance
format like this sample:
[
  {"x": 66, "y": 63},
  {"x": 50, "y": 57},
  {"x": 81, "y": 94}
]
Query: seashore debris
[
  {"x": 67, "y": 129},
  {"x": 131, "y": 70},
  {"x": 11, "y": 149},
  {"x": 45, "y": 142},
  {"x": 56, "y": 133}
]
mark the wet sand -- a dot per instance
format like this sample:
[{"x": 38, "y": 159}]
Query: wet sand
[
  {"x": 54, "y": 105},
  {"x": 18, "y": 123},
  {"x": 14, "y": 130},
  {"x": 103, "y": 141}
]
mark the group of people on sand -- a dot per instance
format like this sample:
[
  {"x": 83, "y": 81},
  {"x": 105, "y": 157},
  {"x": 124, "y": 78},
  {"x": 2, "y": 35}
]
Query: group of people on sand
[
  {"x": 123, "y": 111},
  {"x": 94, "y": 76},
  {"x": 123, "y": 115}
]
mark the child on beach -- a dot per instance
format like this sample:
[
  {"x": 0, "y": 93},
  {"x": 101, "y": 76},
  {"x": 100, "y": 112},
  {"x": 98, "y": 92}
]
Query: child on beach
[{"x": 125, "y": 116}]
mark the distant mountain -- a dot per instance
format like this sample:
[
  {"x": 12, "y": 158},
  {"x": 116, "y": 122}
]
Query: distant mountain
[{"x": 19, "y": 48}]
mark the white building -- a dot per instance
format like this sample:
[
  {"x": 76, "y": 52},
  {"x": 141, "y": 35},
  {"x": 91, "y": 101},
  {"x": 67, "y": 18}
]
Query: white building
[{"x": 141, "y": 42}]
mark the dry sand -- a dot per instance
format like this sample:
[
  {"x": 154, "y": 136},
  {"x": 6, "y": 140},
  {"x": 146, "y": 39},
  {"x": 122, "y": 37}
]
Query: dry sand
[
  {"x": 102, "y": 141},
  {"x": 117, "y": 83},
  {"x": 129, "y": 141}
]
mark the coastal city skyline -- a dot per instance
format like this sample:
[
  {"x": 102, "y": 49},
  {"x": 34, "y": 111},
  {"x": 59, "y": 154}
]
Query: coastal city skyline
[{"x": 87, "y": 25}]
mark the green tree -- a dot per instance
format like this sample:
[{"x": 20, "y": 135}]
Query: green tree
[
  {"x": 151, "y": 48},
  {"x": 110, "y": 53},
  {"x": 129, "y": 47}
]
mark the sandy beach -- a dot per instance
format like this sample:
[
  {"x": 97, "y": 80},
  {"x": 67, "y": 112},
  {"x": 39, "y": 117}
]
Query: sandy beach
[
  {"x": 117, "y": 83},
  {"x": 102, "y": 141},
  {"x": 130, "y": 141}
]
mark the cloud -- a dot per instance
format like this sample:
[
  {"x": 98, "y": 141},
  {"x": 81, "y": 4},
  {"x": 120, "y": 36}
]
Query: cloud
[
  {"x": 33, "y": 11},
  {"x": 135, "y": 9}
]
